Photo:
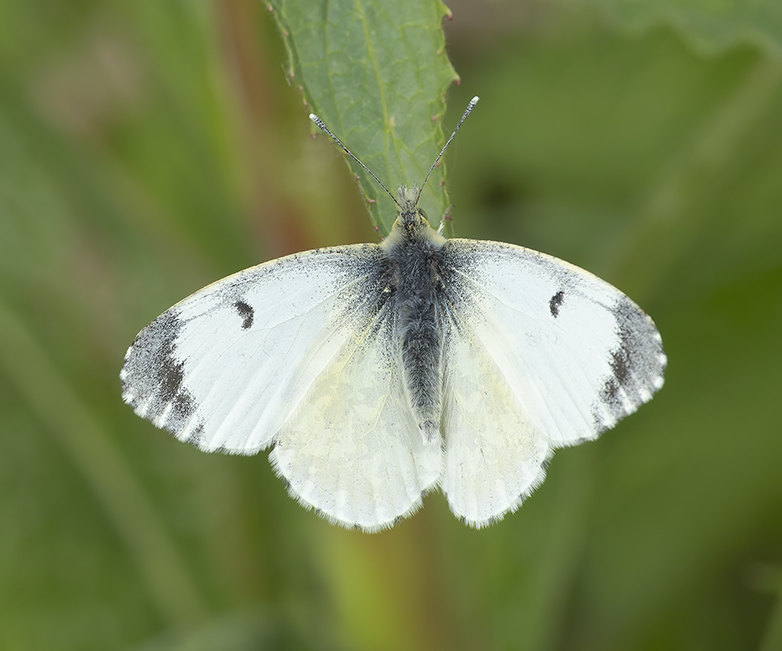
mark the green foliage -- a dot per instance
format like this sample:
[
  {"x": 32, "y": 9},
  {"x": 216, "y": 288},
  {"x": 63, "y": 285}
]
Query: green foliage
[
  {"x": 712, "y": 25},
  {"x": 376, "y": 74},
  {"x": 149, "y": 148}
]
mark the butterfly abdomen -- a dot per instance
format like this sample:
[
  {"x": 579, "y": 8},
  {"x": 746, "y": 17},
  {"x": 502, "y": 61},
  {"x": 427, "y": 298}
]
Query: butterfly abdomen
[{"x": 416, "y": 260}]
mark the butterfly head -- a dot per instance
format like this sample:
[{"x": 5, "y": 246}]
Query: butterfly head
[
  {"x": 411, "y": 224},
  {"x": 410, "y": 217}
]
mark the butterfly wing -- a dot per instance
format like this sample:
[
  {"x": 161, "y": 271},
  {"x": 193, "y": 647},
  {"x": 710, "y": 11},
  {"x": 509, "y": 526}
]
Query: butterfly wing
[
  {"x": 355, "y": 452},
  {"x": 494, "y": 454},
  {"x": 226, "y": 367},
  {"x": 294, "y": 352},
  {"x": 556, "y": 356}
]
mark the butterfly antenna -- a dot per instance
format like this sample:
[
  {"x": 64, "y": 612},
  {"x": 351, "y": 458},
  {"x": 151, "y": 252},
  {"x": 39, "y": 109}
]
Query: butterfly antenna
[
  {"x": 326, "y": 130},
  {"x": 467, "y": 111}
]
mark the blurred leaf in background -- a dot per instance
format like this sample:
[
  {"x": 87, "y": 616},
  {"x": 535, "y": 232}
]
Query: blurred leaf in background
[
  {"x": 147, "y": 149},
  {"x": 711, "y": 26}
]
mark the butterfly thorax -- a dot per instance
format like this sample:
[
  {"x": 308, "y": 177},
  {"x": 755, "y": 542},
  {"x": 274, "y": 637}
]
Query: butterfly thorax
[{"x": 414, "y": 250}]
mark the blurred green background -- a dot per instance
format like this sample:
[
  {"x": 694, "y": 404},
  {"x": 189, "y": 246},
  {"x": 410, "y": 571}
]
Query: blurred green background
[{"x": 149, "y": 148}]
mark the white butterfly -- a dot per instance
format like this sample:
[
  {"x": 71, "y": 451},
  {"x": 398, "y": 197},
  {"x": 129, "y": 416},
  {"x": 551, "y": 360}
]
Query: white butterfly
[{"x": 379, "y": 372}]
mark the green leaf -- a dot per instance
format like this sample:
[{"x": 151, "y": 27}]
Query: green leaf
[
  {"x": 377, "y": 78},
  {"x": 710, "y": 25}
]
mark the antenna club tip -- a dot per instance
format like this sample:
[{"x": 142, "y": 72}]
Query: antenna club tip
[
  {"x": 474, "y": 100},
  {"x": 314, "y": 118}
]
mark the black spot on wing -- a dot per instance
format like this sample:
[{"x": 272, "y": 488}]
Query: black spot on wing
[
  {"x": 620, "y": 365},
  {"x": 637, "y": 365},
  {"x": 152, "y": 377},
  {"x": 555, "y": 303},
  {"x": 172, "y": 374},
  {"x": 246, "y": 312}
]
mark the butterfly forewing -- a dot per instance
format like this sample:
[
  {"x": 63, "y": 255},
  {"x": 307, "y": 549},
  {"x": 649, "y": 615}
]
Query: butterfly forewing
[
  {"x": 226, "y": 367},
  {"x": 576, "y": 353}
]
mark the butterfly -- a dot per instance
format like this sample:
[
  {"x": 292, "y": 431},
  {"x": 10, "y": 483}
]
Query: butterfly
[{"x": 378, "y": 373}]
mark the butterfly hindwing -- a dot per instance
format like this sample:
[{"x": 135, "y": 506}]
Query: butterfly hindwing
[
  {"x": 355, "y": 451},
  {"x": 494, "y": 455}
]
